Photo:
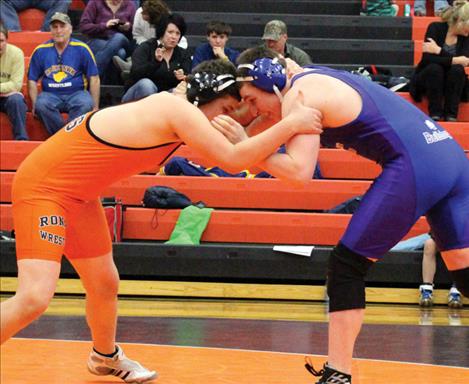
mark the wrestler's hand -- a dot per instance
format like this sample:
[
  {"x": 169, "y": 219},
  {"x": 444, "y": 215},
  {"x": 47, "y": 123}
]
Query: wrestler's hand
[
  {"x": 230, "y": 128},
  {"x": 307, "y": 119}
]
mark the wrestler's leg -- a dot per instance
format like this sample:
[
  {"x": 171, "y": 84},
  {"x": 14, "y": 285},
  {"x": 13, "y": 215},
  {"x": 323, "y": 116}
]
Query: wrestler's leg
[
  {"x": 101, "y": 282},
  {"x": 385, "y": 215},
  {"x": 40, "y": 230},
  {"x": 89, "y": 250},
  {"x": 37, "y": 280}
]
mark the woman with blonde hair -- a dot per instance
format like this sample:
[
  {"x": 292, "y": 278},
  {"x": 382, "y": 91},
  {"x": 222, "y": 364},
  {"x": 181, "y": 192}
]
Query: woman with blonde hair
[{"x": 441, "y": 75}]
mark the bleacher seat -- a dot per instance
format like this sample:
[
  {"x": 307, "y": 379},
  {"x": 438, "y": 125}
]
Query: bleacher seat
[{"x": 31, "y": 19}]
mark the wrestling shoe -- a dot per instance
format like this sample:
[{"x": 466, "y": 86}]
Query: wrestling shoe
[
  {"x": 119, "y": 365},
  {"x": 454, "y": 298},
  {"x": 328, "y": 374},
  {"x": 426, "y": 295}
]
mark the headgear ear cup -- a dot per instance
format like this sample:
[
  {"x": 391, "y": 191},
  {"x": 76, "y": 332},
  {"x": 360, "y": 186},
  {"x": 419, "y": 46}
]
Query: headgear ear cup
[
  {"x": 266, "y": 74},
  {"x": 204, "y": 86}
]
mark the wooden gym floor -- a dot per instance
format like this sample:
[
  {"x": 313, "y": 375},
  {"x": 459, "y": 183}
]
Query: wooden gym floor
[{"x": 242, "y": 342}]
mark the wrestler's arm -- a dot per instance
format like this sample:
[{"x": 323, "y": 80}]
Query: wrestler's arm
[
  {"x": 298, "y": 162},
  {"x": 192, "y": 127}
]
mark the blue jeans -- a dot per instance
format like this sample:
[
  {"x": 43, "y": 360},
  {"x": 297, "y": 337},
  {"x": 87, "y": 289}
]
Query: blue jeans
[
  {"x": 15, "y": 107},
  {"x": 10, "y": 8},
  {"x": 49, "y": 106},
  {"x": 420, "y": 5},
  {"x": 141, "y": 89},
  {"x": 104, "y": 50}
]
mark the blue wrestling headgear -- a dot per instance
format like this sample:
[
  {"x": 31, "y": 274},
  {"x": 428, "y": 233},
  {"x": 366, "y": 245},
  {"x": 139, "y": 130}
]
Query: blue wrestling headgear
[
  {"x": 203, "y": 87},
  {"x": 266, "y": 74}
]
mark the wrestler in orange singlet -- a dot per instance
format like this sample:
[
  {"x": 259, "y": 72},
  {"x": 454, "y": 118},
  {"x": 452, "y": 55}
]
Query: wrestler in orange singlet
[{"x": 56, "y": 207}]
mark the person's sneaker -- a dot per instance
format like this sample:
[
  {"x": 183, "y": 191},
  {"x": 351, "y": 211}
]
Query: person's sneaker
[
  {"x": 451, "y": 119},
  {"x": 128, "y": 370},
  {"x": 122, "y": 65},
  {"x": 454, "y": 298},
  {"x": 426, "y": 295},
  {"x": 328, "y": 375}
]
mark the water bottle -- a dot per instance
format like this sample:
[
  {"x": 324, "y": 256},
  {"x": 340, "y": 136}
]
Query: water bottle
[{"x": 407, "y": 10}]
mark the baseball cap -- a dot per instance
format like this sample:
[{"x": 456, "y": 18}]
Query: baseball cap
[
  {"x": 59, "y": 16},
  {"x": 274, "y": 29}
]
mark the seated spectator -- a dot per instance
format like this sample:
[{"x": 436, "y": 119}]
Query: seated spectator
[
  {"x": 440, "y": 75},
  {"x": 218, "y": 34},
  {"x": 159, "y": 64},
  {"x": 66, "y": 67},
  {"x": 275, "y": 37},
  {"x": 146, "y": 17},
  {"x": 420, "y": 7},
  {"x": 10, "y": 8},
  {"x": 11, "y": 80},
  {"x": 108, "y": 25}
]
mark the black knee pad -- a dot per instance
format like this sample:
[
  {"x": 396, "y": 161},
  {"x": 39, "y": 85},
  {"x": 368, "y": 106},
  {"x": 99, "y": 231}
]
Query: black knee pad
[
  {"x": 461, "y": 278},
  {"x": 346, "y": 279}
]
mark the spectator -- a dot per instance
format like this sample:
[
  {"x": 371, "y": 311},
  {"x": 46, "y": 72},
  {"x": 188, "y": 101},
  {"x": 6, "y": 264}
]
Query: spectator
[
  {"x": 440, "y": 75},
  {"x": 218, "y": 34},
  {"x": 381, "y": 8},
  {"x": 108, "y": 25},
  {"x": 420, "y": 7},
  {"x": 11, "y": 80},
  {"x": 430, "y": 251},
  {"x": 66, "y": 68},
  {"x": 137, "y": 2},
  {"x": 275, "y": 37},
  {"x": 146, "y": 17},
  {"x": 10, "y": 8},
  {"x": 159, "y": 64},
  {"x": 426, "y": 243}
]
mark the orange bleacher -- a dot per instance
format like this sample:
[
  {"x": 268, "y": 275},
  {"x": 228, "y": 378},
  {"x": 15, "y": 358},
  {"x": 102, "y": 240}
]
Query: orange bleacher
[
  {"x": 237, "y": 226},
  {"x": 217, "y": 192},
  {"x": 28, "y": 40},
  {"x": 31, "y": 19},
  {"x": 463, "y": 115}
]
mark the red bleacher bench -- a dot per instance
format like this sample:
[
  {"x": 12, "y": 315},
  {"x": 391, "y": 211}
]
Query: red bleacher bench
[
  {"x": 31, "y": 19},
  {"x": 463, "y": 115},
  {"x": 237, "y": 226},
  {"x": 229, "y": 192}
]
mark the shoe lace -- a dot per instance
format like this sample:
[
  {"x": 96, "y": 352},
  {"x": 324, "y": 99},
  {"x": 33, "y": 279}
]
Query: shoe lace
[{"x": 309, "y": 367}]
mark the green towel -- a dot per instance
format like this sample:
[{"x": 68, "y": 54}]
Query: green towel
[{"x": 191, "y": 224}]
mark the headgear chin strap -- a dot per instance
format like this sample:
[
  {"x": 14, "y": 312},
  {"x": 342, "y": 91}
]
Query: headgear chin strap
[
  {"x": 266, "y": 74},
  {"x": 206, "y": 85}
]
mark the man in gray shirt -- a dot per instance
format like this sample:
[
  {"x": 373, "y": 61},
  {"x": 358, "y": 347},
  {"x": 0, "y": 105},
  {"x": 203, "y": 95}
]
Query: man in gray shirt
[{"x": 275, "y": 37}]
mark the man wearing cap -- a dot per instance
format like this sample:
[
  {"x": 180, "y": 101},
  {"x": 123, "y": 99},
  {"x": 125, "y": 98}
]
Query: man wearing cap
[
  {"x": 69, "y": 77},
  {"x": 10, "y": 8},
  {"x": 275, "y": 37}
]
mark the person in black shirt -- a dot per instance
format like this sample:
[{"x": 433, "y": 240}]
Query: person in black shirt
[{"x": 159, "y": 64}]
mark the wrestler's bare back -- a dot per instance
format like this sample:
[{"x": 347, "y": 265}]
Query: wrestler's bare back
[{"x": 145, "y": 123}]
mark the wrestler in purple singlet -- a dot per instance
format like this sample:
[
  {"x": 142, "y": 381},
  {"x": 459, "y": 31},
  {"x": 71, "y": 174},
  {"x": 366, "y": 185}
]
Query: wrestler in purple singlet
[{"x": 425, "y": 172}]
